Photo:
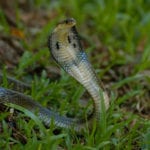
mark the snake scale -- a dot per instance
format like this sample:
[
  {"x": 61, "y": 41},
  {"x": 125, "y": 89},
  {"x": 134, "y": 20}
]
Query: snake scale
[{"x": 65, "y": 47}]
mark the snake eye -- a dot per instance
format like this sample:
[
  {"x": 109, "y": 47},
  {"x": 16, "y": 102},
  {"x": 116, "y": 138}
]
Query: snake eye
[
  {"x": 70, "y": 21},
  {"x": 67, "y": 21}
]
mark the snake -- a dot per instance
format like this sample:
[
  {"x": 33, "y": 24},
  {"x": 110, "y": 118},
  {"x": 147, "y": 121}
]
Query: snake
[{"x": 65, "y": 47}]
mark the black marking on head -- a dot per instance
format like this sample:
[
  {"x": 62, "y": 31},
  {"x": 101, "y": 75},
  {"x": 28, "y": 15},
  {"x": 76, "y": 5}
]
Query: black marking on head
[
  {"x": 77, "y": 38},
  {"x": 57, "y": 45},
  {"x": 75, "y": 32},
  {"x": 74, "y": 45},
  {"x": 69, "y": 40}
]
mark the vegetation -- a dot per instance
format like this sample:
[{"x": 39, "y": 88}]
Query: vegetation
[{"x": 115, "y": 34}]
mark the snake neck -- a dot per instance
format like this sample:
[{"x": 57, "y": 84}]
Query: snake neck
[{"x": 82, "y": 71}]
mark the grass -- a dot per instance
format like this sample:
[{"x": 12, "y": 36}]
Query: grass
[{"x": 115, "y": 35}]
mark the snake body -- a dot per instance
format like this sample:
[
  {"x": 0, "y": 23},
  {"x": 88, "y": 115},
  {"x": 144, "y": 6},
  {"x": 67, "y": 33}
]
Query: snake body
[{"x": 66, "y": 49}]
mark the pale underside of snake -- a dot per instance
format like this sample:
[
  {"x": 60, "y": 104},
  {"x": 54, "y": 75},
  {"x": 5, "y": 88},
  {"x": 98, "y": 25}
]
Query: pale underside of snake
[{"x": 66, "y": 49}]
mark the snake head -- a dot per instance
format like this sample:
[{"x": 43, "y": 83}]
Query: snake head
[
  {"x": 65, "y": 24},
  {"x": 63, "y": 42}
]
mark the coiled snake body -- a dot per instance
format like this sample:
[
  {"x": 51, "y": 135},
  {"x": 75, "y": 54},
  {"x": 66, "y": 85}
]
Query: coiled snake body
[{"x": 66, "y": 49}]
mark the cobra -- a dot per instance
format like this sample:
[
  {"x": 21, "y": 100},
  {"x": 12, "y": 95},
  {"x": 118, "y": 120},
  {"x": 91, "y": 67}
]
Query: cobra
[{"x": 67, "y": 51}]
